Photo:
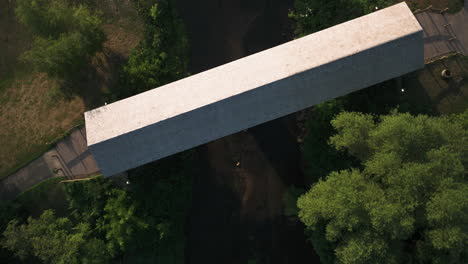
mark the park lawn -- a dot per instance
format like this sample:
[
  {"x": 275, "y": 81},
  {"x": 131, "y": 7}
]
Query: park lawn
[
  {"x": 427, "y": 87},
  {"x": 34, "y": 110},
  {"x": 33, "y": 113}
]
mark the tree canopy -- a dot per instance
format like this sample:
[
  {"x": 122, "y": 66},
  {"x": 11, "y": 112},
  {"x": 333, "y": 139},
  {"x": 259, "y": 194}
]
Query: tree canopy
[
  {"x": 314, "y": 15},
  {"x": 142, "y": 224},
  {"x": 162, "y": 55},
  {"x": 65, "y": 35},
  {"x": 407, "y": 203},
  {"x": 54, "y": 240}
]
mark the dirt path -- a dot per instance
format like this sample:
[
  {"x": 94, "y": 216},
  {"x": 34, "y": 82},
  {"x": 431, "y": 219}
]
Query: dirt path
[
  {"x": 444, "y": 32},
  {"x": 236, "y": 207}
]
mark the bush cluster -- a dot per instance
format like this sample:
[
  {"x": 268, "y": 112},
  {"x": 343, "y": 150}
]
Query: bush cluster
[
  {"x": 65, "y": 36},
  {"x": 162, "y": 55}
]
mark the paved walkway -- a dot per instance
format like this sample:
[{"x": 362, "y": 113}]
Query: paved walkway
[
  {"x": 444, "y": 32},
  {"x": 69, "y": 157}
]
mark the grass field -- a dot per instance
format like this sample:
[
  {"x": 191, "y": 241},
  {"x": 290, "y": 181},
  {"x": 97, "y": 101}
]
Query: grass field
[
  {"x": 34, "y": 111},
  {"x": 427, "y": 87}
]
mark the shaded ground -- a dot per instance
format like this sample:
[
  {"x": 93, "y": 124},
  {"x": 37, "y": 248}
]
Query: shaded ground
[
  {"x": 14, "y": 39},
  {"x": 427, "y": 87},
  {"x": 49, "y": 194},
  {"x": 236, "y": 208}
]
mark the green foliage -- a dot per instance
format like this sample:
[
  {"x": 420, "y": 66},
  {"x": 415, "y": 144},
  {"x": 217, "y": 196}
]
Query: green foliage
[
  {"x": 321, "y": 156},
  {"x": 358, "y": 127},
  {"x": 162, "y": 56},
  {"x": 323, "y": 247},
  {"x": 111, "y": 212},
  {"x": 408, "y": 203},
  {"x": 145, "y": 224},
  {"x": 120, "y": 220},
  {"x": 54, "y": 240},
  {"x": 163, "y": 189},
  {"x": 65, "y": 35},
  {"x": 314, "y": 15},
  {"x": 87, "y": 199}
]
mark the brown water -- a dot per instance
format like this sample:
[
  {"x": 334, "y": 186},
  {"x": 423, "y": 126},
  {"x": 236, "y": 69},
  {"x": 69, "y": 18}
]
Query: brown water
[{"x": 237, "y": 210}]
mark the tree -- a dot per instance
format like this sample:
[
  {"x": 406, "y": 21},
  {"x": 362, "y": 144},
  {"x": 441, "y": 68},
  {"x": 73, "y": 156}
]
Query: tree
[
  {"x": 111, "y": 212},
  {"x": 314, "y": 15},
  {"x": 323, "y": 158},
  {"x": 87, "y": 199},
  {"x": 120, "y": 221},
  {"x": 65, "y": 36},
  {"x": 142, "y": 225},
  {"x": 8, "y": 211},
  {"x": 54, "y": 240},
  {"x": 163, "y": 190},
  {"x": 162, "y": 56},
  {"x": 409, "y": 201}
]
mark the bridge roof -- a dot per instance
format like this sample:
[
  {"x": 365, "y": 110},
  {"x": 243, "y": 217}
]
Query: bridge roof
[{"x": 249, "y": 73}]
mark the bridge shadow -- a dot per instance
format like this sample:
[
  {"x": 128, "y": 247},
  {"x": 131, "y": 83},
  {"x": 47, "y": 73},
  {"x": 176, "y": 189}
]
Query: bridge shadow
[
  {"x": 214, "y": 232},
  {"x": 236, "y": 210},
  {"x": 280, "y": 147}
]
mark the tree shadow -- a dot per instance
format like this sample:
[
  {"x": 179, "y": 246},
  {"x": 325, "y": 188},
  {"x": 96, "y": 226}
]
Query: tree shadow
[
  {"x": 453, "y": 86},
  {"x": 281, "y": 149},
  {"x": 97, "y": 82},
  {"x": 271, "y": 28},
  {"x": 416, "y": 99}
]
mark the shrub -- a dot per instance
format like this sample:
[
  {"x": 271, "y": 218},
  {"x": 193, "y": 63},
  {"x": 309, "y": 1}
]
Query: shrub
[
  {"x": 405, "y": 205},
  {"x": 65, "y": 36},
  {"x": 314, "y": 15},
  {"x": 162, "y": 56}
]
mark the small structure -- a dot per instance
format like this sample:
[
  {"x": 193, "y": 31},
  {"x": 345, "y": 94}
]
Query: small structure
[
  {"x": 446, "y": 74},
  {"x": 255, "y": 89}
]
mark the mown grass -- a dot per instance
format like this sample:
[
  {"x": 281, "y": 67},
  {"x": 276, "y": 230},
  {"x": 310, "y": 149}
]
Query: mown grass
[{"x": 30, "y": 122}]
